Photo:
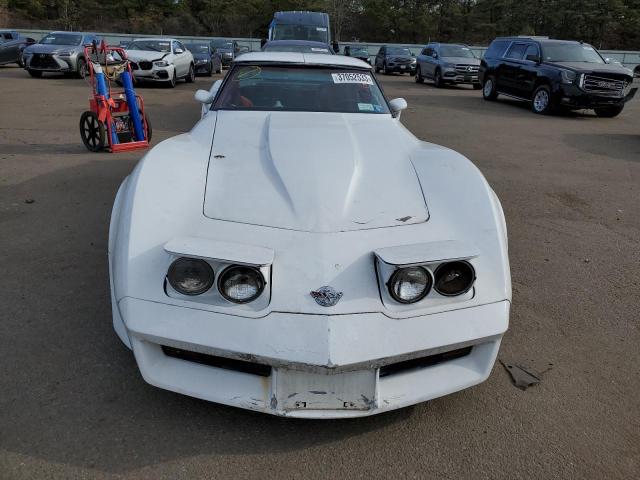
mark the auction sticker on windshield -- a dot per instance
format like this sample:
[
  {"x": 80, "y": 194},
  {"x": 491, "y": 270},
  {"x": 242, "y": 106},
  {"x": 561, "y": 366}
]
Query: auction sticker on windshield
[{"x": 352, "y": 78}]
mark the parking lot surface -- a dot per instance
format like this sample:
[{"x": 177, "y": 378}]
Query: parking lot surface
[{"x": 73, "y": 405}]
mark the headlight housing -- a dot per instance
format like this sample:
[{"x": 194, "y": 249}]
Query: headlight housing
[
  {"x": 65, "y": 54},
  {"x": 454, "y": 278},
  {"x": 410, "y": 284},
  {"x": 568, "y": 76},
  {"x": 161, "y": 63},
  {"x": 240, "y": 284},
  {"x": 190, "y": 276}
]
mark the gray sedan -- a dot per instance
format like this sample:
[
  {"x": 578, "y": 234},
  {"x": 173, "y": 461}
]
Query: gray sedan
[{"x": 59, "y": 52}]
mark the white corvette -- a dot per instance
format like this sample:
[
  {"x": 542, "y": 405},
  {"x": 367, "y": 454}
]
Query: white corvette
[{"x": 301, "y": 253}]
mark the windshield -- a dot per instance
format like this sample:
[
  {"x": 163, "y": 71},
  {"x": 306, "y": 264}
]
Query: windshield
[
  {"x": 151, "y": 46},
  {"x": 456, "y": 51},
  {"x": 301, "y": 89},
  {"x": 398, "y": 51},
  {"x": 296, "y": 48},
  {"x": 301, "y": 32},
  {"x": 61, "y": 39},
  {"x": 222, "y": 44},
  {"x": 570, "y": 52},
  {"x": 197, "y": 47},
  {"x": 359, "y": 51}
]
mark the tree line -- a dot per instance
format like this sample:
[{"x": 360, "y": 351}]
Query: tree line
[{"x": 603, "y": 23}]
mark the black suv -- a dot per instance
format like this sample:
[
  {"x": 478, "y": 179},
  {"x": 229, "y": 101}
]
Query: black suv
[
  {"x": 554, "y": 75},
  {"x": 395, "y": 59}
]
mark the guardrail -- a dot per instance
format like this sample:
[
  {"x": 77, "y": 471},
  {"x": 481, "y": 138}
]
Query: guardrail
[{"x": 628, "y": 58}]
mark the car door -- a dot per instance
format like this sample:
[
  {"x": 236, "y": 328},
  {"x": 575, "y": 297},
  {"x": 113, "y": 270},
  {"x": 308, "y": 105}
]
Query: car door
[
  {"x": 8, "y": 47},
  {"x": 179, "y": 59},
  {"x": 510, "y": 69},
  {"x": 432, "y": 62},
  {"x": 380, "y": 57},
  {"x": 528, "y": 73}
]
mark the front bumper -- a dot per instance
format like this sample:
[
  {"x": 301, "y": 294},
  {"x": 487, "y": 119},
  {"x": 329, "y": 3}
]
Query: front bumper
[
  {"x": 319, "y": 366},
  {"x": 405, "y": 68},
  {"x": 571, "y": 96},
  {"x": 155, "y": 74},
  {"x": 46, "y": 62},
  {"x": 203, "y": 68},
  {"x": 226, "y": 61},
  {"x": 453, "y": 76}
]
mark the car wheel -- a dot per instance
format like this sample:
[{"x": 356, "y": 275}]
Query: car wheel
[
  {"x": 210, "y": 71},
  {"x": 219, "y": 69},
  {"x": 636, "y": 72},
  {"x": 172, "y": 83},
  {"x": 437, "y": 79},
  {"x": 377, "y": 68},
  {"x": 489, "y": 88},
  {"x": 34, "y": 73},
  {"x": 191, "y": 77},
  {"x": 477, "y": 86},
  {"x": 609, "y": 112},
  {"x": 20, "y": 62},
  {"x": 541, "y": 102},
  {"x": 81, "y": 68},
  {"x": 385, "y": 71},
  {"x": 419, "y": 77},
  {"x": 92, "y": 131}
]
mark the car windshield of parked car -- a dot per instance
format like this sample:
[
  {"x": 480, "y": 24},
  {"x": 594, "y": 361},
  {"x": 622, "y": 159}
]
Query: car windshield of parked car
[
  {"x": 222, "y": 44},
  {"x": 301, "y": 89},
  {"x": 296, "y": 48},
  {"x": 61, "y": 39},
  {"x": 359, "y": 52},
  {"x": 570, "y": 52},
  {"x": 151, "y": 46},
  {"x": 398, "y": 51},
  {"x": 300, "y": 32},
  {"x": 197, "y": 47},
  {"x": 456, "y": 51}
]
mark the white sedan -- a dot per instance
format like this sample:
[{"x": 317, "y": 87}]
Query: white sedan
[
  {"x": 301, "y": 253},
  {"x": 164, "y": 60}
]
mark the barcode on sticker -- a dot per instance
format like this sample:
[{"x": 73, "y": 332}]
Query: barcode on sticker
[{"x": 352, "y": 78}]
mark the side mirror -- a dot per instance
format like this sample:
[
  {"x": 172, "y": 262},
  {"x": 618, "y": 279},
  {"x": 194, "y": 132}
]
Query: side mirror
[
  {"x": 397, "y": 105},
  {"x": 336, "y": 47},
  {"x": 435, "y": 55},
  {"x": 178, "y": 51},
  {"x": 533, "y": 58},
  {"x": 204, "y": 96}
]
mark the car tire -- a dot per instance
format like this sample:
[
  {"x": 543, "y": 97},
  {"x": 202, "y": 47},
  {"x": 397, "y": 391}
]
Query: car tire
[
  {"x": 437, "y": 79},
  {"x": 419, "y": 77},
  {"x": 609, "y": 112},
  {"x": 20, "y": 62},
  {"x": 541, "y": 100},
  {"x": 219, "y": 69},
  {"x": 34, "y": 73},
  {"x": 210, "y": 71},
  {"x": 477, "y": 86},
  {"x": 172, "y": 82},
  {"x": 377, "y": 68},
  {"x": 384, "y": 69},
  {"x": 636, "y": 72},
  {"x": 81, "y": 68},
  {"x": 489, "y": 91},
  {"x": 191, "y": 76}
]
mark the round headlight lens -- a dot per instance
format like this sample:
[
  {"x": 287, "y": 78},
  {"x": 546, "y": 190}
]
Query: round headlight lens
[
  {"x": 190, "y": 276},
  {"x": 410, "y": 284},
  {"x": 454, "y": 278},
  {"x": 240, "y": 284}
]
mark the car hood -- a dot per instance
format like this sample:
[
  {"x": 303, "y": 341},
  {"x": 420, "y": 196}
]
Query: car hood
[
  {"x": 52, "y": 49},
  {"x": 138, "y": 55},
  {"x": 312, "y": 172},
  {"x": 593, "y": 67},
  {"x": 463, "y": 60}
]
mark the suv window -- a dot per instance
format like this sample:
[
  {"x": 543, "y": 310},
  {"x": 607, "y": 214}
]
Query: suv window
[
  {"x": 429, "y": 52},
  {"x": 532, "y": 50},
  {"x": 516, "y": 52},
  {"x": 497, "y": 48}
]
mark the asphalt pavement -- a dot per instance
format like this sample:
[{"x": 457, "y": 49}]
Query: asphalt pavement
[{"x": 73, "y": 405}]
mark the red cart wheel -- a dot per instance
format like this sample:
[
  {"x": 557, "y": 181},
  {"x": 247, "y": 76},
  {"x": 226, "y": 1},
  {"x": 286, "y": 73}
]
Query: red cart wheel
[{"x": 92, "y": 131}]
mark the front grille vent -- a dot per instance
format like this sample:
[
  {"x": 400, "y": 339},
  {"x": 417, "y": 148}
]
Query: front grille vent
[
  {"x": 605, "y": 87},
  {"x": 218, "y": 362},
  {"x": 423, "y": 362}
]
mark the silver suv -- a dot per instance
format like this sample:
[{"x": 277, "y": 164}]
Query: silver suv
[
  {"x": 448, "y": 63},
  {"x": 59, "y": 52}
]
